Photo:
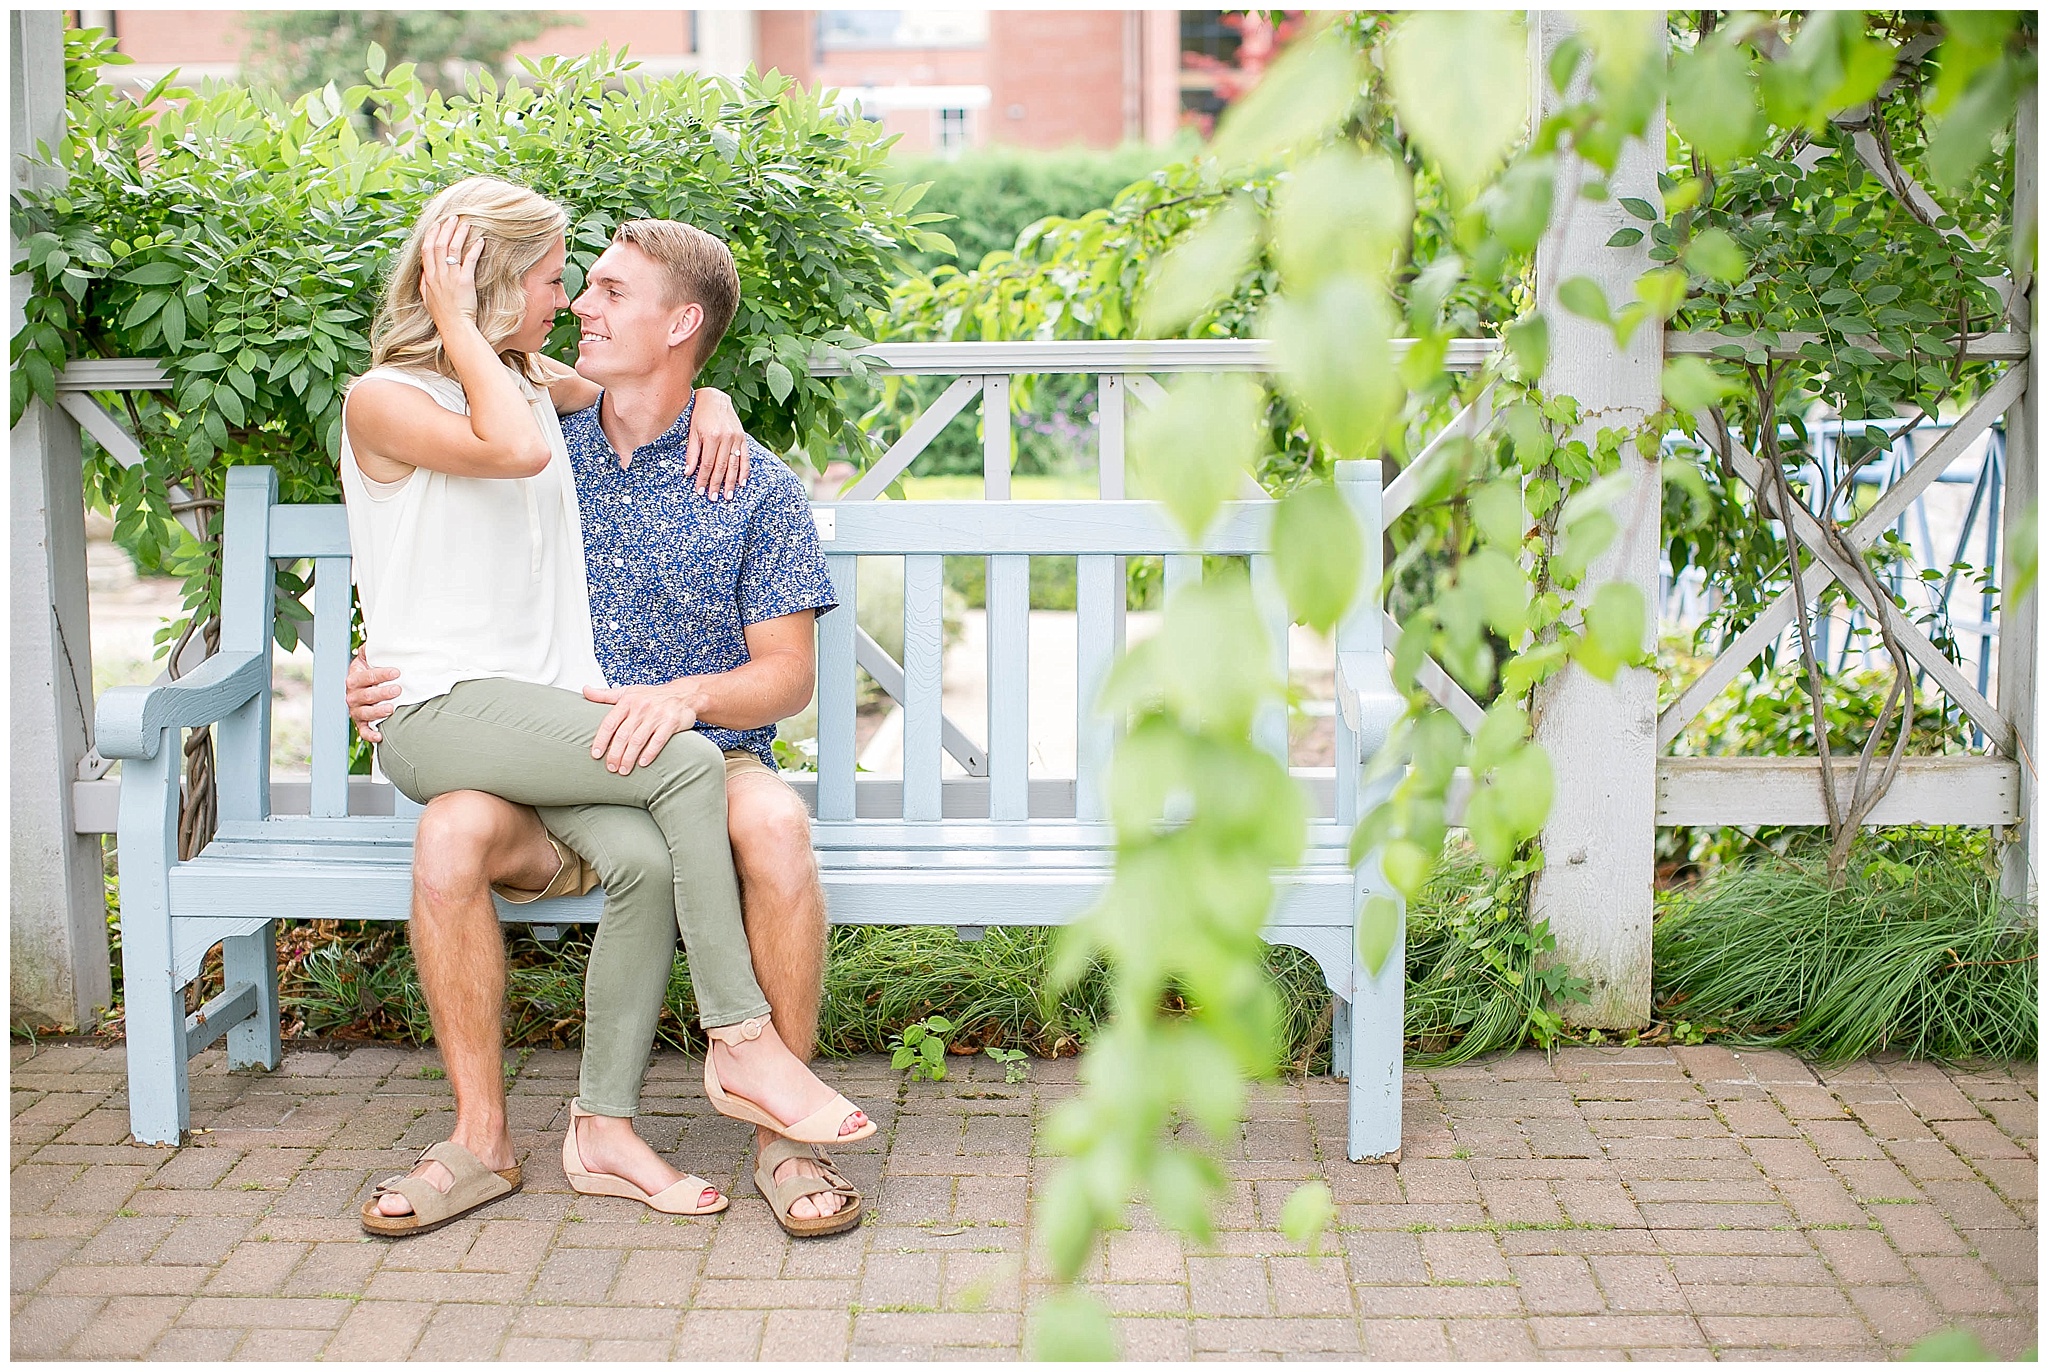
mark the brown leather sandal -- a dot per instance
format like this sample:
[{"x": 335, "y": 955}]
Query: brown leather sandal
[
  {"x": 782, "y": 1195},
  {"x": 474, "y": 1187}
]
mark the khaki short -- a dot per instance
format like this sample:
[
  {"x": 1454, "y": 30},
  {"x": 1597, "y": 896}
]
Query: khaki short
[{"x": 576, "y": 877}]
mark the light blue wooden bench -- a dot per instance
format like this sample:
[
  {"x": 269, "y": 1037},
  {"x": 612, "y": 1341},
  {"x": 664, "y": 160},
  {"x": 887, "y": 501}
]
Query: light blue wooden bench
[{"x": 998, "y": 848}]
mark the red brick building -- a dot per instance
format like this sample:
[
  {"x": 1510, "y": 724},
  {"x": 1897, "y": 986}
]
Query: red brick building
[{"x": 942, "y": 79}]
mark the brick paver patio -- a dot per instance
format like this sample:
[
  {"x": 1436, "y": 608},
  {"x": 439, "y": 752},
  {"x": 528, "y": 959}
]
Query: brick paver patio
[{"x": 1648, "y": 1203}]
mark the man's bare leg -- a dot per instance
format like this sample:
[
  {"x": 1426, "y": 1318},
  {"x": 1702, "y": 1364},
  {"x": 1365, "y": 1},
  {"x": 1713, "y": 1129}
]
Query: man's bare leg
[
  {"x": 465, "y": 841},
  {"x": 784, "y": 909}
]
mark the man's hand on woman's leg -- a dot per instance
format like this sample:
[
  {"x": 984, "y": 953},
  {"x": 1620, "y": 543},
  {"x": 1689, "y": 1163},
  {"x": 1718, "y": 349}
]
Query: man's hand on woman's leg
[{"x": 466, "y": 841}]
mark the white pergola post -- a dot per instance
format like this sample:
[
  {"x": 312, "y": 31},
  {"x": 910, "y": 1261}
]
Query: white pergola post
[
  {"x": 2019, "y": 630},
  {"x": 57, "y": 916},
  {"x": 1600, "y": 843}
]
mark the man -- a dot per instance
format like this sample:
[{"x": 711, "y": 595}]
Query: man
[{"x": 702, "y": 613}]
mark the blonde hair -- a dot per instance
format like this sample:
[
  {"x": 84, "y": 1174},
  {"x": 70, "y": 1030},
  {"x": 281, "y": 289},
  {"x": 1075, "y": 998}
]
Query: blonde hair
[
  {"x": 697, "y": 269},
  {"x": 518, "y": 228}
]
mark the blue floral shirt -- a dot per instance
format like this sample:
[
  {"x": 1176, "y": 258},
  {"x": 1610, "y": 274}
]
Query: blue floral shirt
[{"x": 676, "y": 577}]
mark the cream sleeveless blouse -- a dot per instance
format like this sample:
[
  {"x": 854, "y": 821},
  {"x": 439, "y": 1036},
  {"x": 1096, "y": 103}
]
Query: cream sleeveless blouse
[{"x": 468, "y": 577}]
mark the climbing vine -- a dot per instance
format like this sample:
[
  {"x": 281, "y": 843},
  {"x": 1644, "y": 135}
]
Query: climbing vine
[{"x": 1302, "y": 223}]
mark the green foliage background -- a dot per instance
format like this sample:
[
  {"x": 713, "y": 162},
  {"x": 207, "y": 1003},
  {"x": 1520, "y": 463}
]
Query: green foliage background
[{"x": 243, "y": 241}]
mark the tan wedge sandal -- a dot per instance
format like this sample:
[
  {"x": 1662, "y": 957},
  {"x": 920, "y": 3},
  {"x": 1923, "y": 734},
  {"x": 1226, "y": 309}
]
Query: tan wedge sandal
[
  {"x": 685, "y": 1197},
  {"x": 820, "y": 1126}
]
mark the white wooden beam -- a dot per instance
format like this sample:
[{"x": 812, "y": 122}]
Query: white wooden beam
[
  {"x": 1983, "y": 347},
  {"x": 915, "y": 440},
  {"x": 1979, "y": 791},
  {"x": 2019, "y": 640},
  {"x": 57, "y": 966},
  {"x": 1468, "y": 422},
  {"x": 1600, "y": 843},
  {"x": 1092, "y": 355}
]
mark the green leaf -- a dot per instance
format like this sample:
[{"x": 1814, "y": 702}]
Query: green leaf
[
  {"x": 1511, "y": 806},
  {"x": 1528, "y": 340},
  {"x": 1691, "y": 384},
  {"x": 1307, "y": 90},
  {"x": 1342, "y": 212},
  {"x": 1625, "y": 238},
  {"x": 1379, "y": 926},
  {"x": 1461, "y": 83},
  {"x": 1308, "y": 1214},
  {"x": 1616, "y": 627},
  {"x": 1192, "y": 450},
  {"x": 1959, "y": 140},
  {"x": 173, "y": 323},
  {"x": 1640, "y": 208},
  {"x": 153, "y": 274},
  {"x": 2024, "y": 554},
  {"x": 1199, "y": 270},
  {"x": 780, "y": 382},
  {"x": 1318, "y": 553},
  {"x": 1337, "y": 364},
  {"x": 1712, "y": 101},
  {"x": 1583, "y": 297},
  {"x": 1714, "y": 254},
  {"x": 1072, "y": 1327},
  {"x": 1502, "y": 588}
]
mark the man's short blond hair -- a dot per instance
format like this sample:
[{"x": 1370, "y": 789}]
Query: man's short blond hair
[{"x": 698, "y": 269}]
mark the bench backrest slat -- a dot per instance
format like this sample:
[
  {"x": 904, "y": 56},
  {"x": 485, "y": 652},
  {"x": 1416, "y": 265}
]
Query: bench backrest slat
[
  {"x": 1099, "y": 592},
  {"x": 331, "y": 729},
  {"x": 924, "y": 580},
  {"x": 1269, "y": 730},
  {"x": 1009, "y": 676},
  {"x": 1359, "y": 630},
  {"x": 247, "y": 611},
  {"x": 836, "y": 693}
]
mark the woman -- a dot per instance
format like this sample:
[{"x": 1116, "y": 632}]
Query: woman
[{"x": 469, "y": 562}]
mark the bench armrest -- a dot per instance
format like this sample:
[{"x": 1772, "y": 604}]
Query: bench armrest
[
  {"x": 131, "y": 719},
  {"x": 1366, "y": 695}
]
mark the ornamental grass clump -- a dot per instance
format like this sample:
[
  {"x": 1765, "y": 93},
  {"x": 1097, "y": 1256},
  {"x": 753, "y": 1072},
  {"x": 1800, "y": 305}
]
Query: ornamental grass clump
[{"x": 1922, "y": 959}]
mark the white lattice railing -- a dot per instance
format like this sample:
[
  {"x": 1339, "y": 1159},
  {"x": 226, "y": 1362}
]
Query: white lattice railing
[{"x": 1979, "y": 790}]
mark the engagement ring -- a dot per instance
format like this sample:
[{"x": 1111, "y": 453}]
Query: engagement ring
[{"x": 452, "y": 262}]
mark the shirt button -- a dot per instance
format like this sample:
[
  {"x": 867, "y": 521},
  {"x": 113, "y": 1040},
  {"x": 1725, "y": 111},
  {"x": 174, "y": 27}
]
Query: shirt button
[
  {"x": 618, "y": 562},
  {"x": 628, "y": 499}
]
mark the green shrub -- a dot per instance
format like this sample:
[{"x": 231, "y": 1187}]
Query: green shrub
[
  {"x": 996, "y": 193},
  {"x": 242, "y": 241}
]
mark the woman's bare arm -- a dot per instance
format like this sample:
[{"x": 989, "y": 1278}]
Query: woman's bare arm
[
  {"x": 568, "y": 388},
  {"x": 393, "y": 428}
]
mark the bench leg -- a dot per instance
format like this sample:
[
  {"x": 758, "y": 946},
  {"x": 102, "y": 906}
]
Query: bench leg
[
  {"x": 1340, "y": 1037},
  {"x": 253, "y": 958},
  {"x": 158, "y": 1106},
  {"x": 1375, "y": 1060}
]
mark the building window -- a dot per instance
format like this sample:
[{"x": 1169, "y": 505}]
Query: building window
[
  {"x": 952, "y": 130},
  {"x": 869, "y": 30}
]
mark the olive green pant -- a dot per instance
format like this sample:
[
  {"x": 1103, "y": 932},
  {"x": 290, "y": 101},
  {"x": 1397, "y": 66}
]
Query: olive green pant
[{"x": 657, "y": 838}]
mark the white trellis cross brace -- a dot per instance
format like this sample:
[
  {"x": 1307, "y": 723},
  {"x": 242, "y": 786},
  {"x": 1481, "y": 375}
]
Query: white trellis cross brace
[{"x": 1827, "y": 567}]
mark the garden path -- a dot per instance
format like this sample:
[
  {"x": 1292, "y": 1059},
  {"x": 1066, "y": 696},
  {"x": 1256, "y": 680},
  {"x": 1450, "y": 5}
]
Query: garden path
[{"x": 1687, "y": 1203}]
